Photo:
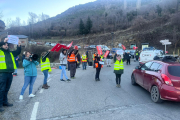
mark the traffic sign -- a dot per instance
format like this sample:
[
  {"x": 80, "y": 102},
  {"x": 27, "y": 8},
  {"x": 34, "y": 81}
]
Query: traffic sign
[
  {"x": 166, "y": 43},
  {"x": 162, "y": 41}
]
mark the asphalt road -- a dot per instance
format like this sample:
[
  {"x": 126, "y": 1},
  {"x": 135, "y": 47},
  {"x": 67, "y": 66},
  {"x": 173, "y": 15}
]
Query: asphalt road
[{"x": 85, "y": 99}]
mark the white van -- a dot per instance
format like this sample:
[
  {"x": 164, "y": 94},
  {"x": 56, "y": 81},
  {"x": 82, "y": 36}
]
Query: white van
[{"x": 146, "y": 56}]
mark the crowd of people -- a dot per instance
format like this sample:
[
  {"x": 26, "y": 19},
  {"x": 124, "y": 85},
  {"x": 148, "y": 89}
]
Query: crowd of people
[{"x": 68, "y": 58}]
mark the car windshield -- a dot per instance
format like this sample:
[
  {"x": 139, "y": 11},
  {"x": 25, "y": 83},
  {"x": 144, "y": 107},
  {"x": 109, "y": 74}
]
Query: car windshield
[{"x": 174, "y": 70}]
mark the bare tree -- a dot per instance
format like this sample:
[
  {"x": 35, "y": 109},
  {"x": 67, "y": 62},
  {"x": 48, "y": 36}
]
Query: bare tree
[
  {"x": 32, "y": 17},
  {"x": 1, "y": 15},
  {"x": 18, "y": 21}
]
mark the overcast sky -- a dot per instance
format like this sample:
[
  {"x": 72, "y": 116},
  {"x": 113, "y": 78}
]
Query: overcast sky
[{"x": 20, "y": 8}]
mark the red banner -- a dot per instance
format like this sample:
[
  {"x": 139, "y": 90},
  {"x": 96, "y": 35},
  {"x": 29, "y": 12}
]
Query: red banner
[
  {"x": 57, "y": 46},
  {"x": 107, "y": 52},
  {"x": 123, "y": 47},
  {"x": 99, "y": 50}
]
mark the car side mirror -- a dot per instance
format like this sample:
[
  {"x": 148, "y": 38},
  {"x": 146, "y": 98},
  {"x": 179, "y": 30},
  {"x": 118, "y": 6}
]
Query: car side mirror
[{"x": 137, "y": 67}]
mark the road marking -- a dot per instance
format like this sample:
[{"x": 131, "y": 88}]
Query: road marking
[
  {"x": 41, "y": 91},
  {"x": 49, "y": 80},
  {"x": 34, "y": 112}
]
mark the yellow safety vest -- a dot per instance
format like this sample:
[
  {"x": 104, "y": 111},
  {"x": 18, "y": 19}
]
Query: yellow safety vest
[
  {"x": 136, "y": 53},
  {"x": 84, "y": 58},
  {"x": 3, "y": 61},
  {"x": 45, "y": 65},
  {"x": 118, "y": 65}
]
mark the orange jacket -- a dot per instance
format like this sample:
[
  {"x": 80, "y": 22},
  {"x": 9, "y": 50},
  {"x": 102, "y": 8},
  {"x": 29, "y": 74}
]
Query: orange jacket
[
  {"x": 72, "y": 58},
  {"x": 94, "y": 55}
]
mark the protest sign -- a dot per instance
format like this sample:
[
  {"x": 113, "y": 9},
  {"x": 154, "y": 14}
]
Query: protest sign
[
  {"x": 120, "y": 52},
  {"x": 99, "y": 50},
  {"x": 107, "y": 52},
  {"x": 13, "y": 39}
]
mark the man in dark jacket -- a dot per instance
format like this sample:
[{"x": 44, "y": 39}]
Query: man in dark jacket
[
  {"x": 128, "y": 57},
  {"x": 79, "y": 59},
  {"x": 8, "y": 65}
]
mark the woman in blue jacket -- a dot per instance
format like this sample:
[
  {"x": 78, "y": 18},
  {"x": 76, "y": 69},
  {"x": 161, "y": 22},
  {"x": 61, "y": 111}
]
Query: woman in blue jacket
[{"x": 30, "y": 74}]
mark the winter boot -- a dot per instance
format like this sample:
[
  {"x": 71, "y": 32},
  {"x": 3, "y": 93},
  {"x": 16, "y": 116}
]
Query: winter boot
[
  {"x": 47, "y": 85},
  {"x": 44, "y": 86}
]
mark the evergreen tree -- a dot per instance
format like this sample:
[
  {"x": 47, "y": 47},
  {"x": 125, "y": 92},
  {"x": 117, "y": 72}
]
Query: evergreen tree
[
  {"x": 81, "y": 27},
  {"x": 88, "y": 26},
  {"x": 158, "y": 10}
]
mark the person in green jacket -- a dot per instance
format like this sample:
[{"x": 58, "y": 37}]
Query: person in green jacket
[{"x": 118, "y": 69}]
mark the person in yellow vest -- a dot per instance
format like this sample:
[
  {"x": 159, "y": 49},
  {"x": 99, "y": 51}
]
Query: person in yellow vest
[
  {"x": 98, "y": 67},
  {"x": 84, "y": 60},
  {"x": 118, "y": 69},
  {"x": 45, "y": 67},
  {"x": 7, "y": 67}
]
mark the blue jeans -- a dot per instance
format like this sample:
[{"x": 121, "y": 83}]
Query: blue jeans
[
  {"x": 15, "y": 71},
  {"x": 84, "y": 64},
  {"x": 28, "y": 80},
  {"x": 45, "y": 76},
  {"x": 63, "y": 72}
]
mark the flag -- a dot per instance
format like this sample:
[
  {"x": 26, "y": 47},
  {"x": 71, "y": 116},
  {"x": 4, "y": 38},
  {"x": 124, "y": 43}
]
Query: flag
[
  {"x": 123, "y": 47},
  {"x": 70, "y": 44}
]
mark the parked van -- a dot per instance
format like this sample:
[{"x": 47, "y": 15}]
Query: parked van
[
  {"x": 146, "y": 56},
  {"x": 104, "y": 47}
]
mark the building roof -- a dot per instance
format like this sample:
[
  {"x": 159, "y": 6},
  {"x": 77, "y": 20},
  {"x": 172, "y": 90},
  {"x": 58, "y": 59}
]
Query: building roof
[
  {"x": 3, "y": 33},
  {"x": 21, "y": 36}
]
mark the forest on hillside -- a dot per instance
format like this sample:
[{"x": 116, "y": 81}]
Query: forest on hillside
[{"x": 106, "y": 16}]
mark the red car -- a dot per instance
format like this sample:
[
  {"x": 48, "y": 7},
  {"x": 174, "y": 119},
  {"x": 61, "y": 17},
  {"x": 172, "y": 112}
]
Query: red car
[{"x": 161, "y": 79}]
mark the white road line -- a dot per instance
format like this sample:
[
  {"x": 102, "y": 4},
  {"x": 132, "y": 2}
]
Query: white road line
[
  {"x": 41, "y": 91},
  {"x": 49, "y": 80},
  {"x": 34, "y": 112}
]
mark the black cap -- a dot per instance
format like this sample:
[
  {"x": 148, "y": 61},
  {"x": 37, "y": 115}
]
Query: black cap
[{"x": 2, "y": 43}]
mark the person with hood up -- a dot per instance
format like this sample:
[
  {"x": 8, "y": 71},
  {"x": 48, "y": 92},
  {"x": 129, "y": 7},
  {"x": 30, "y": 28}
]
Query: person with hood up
[{"x": 63, "y": 63}]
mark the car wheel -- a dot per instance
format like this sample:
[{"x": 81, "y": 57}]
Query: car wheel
[
  {"x": 155, "y": 95},
  {"x": 133, "y": 81}
]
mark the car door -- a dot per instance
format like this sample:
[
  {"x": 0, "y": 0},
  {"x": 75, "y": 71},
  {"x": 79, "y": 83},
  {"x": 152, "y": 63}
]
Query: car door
[
  {"x": 151, "y": 75},
  {"x": 141, "y": 71}
]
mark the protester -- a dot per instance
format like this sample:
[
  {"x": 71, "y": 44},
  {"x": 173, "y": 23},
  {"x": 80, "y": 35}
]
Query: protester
[
  {"x": 45, "y": 68},
  {"x": 63, "y": 63},
  {"x": 30, "y": 74},
  {"x": 108, "y": 59},
  {"x": 94, "y": 55},
  {"x": 84, "y": 60},
  {"x": 118, "y": 69},
  {"x": 17, "y": 65},
  {"x": 128, "y": 57},
  {"x": 97, "y": 66},
  {"x": 8, "y": 66},
  {"x": 79, "y": 59},
  {"x": 72, "y": 62},
  {"x": 137, "y": 55}
]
